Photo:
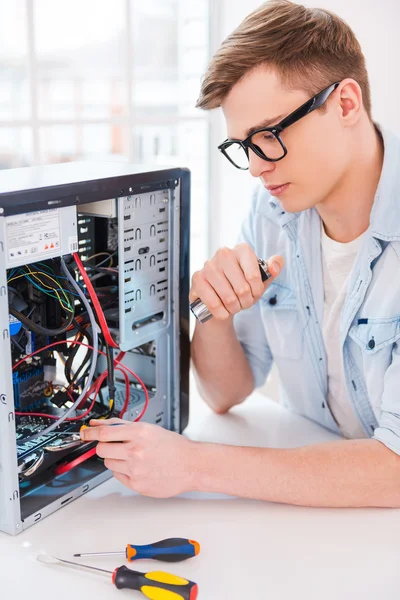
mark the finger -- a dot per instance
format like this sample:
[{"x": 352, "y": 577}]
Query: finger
[
  {"x": 240, "y": 285},
  {"x": 275, "y": 264},
  {"x": 209, "y": 296},
  {"x": 117, "y": 466},
  {"x": 197, "y": 280},
  {"x": 115, "y": 450},
  {"x": 215, "y": 275},
  {"x": 123, "y": 478},
  {"x": 250, "y": 267},
  {"x": 113, "y": 421},
  {"x": 104, "y": 433}
]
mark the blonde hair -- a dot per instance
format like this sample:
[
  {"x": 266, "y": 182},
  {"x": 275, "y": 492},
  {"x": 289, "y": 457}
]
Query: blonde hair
[{"x": 310, "y": 48}]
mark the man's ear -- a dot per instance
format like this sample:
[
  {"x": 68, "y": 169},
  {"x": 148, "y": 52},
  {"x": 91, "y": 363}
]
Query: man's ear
[{"x": 349, "y": 101}]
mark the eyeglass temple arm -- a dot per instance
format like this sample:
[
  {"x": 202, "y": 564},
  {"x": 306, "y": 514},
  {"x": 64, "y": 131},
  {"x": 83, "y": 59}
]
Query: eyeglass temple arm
[{"x": 307, "y": 107}]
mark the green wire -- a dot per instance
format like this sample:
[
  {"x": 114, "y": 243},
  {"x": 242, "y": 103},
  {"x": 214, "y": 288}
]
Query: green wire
[
  {"x": 46, "y": 266},
  {"x": 49, "y": 293},
  {"x": 66, "y": 305}
]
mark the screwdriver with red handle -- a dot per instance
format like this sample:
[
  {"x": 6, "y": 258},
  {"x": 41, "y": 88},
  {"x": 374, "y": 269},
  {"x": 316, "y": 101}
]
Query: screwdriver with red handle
[
  {"x": 154, "y": 584},
  {"x": 169, "y": 550}
]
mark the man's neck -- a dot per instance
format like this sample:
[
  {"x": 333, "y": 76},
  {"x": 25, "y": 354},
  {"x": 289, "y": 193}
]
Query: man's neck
[{"x": 346, "y": 213}]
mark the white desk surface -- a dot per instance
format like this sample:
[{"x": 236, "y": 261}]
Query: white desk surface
[{"x": 249, "y": 549}]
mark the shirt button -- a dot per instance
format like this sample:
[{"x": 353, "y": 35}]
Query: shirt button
[
  {"x": 273, "y": 301},
  {"x": 371, "y": 344}
]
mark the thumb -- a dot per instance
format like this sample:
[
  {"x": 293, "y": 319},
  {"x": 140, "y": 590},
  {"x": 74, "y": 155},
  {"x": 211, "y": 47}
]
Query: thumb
[{"x": 275, "y": 265}]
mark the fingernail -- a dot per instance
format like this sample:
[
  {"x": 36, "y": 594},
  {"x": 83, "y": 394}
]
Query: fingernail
[{"x": 276, "y": 268}]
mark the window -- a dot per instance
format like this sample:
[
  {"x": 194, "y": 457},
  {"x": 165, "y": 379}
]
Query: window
[{"x": 107, "y": 81}]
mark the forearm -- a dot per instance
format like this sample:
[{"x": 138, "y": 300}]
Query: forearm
[
  {"x": 223, "y": 373},
  {"x": 348, "y": 473}
]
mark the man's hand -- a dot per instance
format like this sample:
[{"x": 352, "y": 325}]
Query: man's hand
[
  {"x": 146, "y": 458},
  {"x": 156, "y": 462},
  {"x": 231, "y": 280}
]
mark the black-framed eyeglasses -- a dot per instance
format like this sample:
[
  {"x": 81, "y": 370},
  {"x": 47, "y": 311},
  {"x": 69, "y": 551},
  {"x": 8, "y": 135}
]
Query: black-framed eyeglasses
[{"x": 266, "y": 142}]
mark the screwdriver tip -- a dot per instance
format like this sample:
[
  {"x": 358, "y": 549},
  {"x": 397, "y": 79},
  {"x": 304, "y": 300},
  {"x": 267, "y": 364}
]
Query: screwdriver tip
[{"x": 76, "y": 555}]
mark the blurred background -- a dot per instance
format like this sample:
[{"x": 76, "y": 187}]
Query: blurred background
[{"x": 107, "y": 80}]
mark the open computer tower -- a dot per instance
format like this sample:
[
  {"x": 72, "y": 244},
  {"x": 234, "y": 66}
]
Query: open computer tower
[{"x": 94, "y": 321}]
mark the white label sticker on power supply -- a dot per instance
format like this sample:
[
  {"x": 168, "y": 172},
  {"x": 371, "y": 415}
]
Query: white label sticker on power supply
[{"x": 33, "y": 234}]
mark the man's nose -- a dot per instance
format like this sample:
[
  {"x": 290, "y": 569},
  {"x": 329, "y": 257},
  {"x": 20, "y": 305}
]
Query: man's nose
[{"x": 258, "y": 165}]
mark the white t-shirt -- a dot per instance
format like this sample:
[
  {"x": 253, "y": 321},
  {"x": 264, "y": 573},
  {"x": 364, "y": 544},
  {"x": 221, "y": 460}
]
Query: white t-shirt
[{"x": 337, "y": 261}]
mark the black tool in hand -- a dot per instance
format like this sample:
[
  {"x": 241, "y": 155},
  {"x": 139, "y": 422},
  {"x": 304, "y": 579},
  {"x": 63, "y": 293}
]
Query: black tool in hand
[{"x": 200, "y": 310}]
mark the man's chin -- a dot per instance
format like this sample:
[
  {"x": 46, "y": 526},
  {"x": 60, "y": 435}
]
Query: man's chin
[{"x": 294, "y": 205}]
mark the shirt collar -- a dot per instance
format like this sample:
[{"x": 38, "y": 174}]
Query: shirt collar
[{"x": 385, "y": 213}]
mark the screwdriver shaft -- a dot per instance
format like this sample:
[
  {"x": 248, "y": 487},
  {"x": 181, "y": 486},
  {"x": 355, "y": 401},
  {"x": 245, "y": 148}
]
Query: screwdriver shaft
[
  {"x": 100, "y": 554},
  {"x": 74, "y": 564}
]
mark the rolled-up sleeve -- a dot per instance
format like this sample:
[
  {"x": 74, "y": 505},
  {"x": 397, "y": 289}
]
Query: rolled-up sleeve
[
  {"x": 251, "y": 335},
  {"x": 248, "y": 323},
  {"x": 388, "y": 431}
]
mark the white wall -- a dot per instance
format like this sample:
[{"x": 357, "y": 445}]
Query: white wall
[{"x": 375, "y": 23}]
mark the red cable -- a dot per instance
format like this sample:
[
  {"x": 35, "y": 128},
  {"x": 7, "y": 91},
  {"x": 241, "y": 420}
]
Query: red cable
[
  {"x": 116, "y": 362},
  {"x": 93, "y": 296},
  {"x": 26, "y": 414},
  {"x": 66, "y": 388},
  {"x": 95, "y": 387},
  {"x": 105, "y": 373},
  {"x": 65, "y": 467}
]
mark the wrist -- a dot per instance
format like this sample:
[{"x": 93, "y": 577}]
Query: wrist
[
  {"x": 196, "y": 466},
  {"x": 218, "y": 327},
  {"x": 204, "y": 472}
]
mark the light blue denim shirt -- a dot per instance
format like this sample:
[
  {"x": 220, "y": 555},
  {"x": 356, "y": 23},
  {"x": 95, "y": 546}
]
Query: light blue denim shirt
[{"x": 285, "y": 325}]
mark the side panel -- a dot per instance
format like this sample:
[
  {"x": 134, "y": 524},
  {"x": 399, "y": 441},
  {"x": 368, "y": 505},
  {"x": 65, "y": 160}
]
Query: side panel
[
  {"x": 151, "y": 273},
  {"x": 144, "y": 257},
  {"x": 10, "y": 513},
  {"x": 184, "y": 284}
]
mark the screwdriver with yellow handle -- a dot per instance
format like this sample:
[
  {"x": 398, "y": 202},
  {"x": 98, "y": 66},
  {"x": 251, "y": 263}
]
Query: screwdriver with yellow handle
[
  {"x": 169, "y": 550},
  {"x": 155, "y": 585}
]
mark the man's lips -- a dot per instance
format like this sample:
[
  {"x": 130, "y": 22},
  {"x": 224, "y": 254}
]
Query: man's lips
[{"x": 277, "y": 188}]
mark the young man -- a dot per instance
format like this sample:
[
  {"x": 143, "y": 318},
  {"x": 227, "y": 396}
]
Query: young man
[{"x": 294, "y": 91}]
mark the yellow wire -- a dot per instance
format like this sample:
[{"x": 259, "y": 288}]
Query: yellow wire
[
  {"x": 33, "y": 273},
  {"x": 67, "y": 308}
]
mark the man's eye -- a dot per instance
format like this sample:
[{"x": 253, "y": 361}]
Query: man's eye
[{"x": 268, "y": 136}]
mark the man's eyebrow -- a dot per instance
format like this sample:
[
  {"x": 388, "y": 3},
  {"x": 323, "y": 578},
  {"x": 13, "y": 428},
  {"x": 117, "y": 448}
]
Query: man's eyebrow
[{"x": 265, "y": 123}]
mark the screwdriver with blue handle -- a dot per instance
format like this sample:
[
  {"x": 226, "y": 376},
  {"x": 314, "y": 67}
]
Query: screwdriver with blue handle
[
  {"x": 155, "y": 585},
  {"x": 169, "y": 550}
]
